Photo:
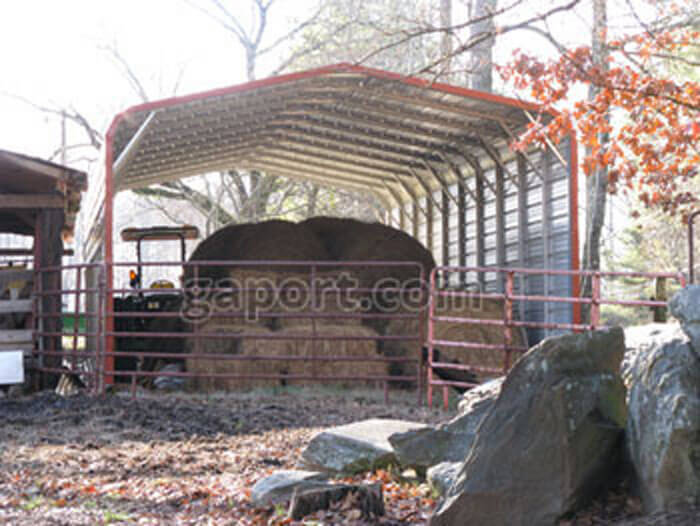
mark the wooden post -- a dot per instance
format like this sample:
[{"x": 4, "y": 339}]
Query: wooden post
[
  {"x": 49, "y": 225},
  {"x": 661, "y": 313}
]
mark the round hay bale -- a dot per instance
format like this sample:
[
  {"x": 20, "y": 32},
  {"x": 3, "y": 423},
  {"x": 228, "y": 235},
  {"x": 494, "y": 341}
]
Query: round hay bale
[
  {"x": 459, "y": 332},
  {"x": 273, "y": 240},
  {"x": 353, "y": 240},
  {"x": 361, "y": 350}
]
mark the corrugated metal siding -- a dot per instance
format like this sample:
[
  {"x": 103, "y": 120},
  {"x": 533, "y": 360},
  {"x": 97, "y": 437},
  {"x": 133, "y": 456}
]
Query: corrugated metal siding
[{"x": 546, "y": 240}]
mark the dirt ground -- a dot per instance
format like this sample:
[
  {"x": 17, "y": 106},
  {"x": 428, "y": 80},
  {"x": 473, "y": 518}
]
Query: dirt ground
[{"x": 186, "y": 459}]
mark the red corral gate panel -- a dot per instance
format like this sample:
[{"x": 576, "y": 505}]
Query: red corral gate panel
[{"x": 454, "y": 284}]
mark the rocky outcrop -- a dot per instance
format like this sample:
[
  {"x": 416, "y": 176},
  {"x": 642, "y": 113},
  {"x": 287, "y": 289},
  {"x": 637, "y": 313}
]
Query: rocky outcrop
[
  {"x": 550, "y": 441},
  {"x": 355, "y": 448},
  {"x": 449, "y": 442},
  {"x": 663, "y": 428}
]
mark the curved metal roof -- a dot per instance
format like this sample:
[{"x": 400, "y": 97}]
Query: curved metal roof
[{"x": 341, "y": 125}]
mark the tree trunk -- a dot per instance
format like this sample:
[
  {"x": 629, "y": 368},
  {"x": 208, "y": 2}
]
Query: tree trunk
[
  {"x": 482, "y": 53},
  {"x": 596, "y": 183},
  {"x": 446, "y": 44}
]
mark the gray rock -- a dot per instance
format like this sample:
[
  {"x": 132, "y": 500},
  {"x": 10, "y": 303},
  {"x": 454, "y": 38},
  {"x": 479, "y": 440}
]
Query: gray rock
[
  {"x": 685, "y": 306},
  {"x": 449, "y": 442},
  {"x": 550, "y": 441},
  {"x": 663, "y": 425},
  {"x": 442, "y": 476},
  {"x": 355, "y": 448},
  {"x": 280, "y": 486}
]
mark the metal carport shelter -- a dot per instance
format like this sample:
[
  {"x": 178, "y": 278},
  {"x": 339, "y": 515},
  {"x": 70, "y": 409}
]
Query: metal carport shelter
[{"x": 436, "y": 155}]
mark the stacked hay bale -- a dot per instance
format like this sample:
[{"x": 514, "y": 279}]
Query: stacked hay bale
[
  {"x": 259, "y": 293},
  {"x": 281, "y": 291}
]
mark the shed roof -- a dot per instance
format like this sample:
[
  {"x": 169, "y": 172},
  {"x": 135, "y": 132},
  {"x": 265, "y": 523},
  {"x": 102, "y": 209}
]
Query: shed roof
[
  {"x": 342, "y": 125},
  {"x": 43, "y": 182}
]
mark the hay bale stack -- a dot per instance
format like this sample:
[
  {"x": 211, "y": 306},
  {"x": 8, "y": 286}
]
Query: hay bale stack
[
  {"x": 269, "y": 293},
  {"x": 353, "y": 240},
  {"x": 358, "y": 349},
  {"x": 233, "y": 345},
  {"x": 283, "y": 347},
  {"x": 273, "y": 240},
  {"x": 458, "y": 332}
]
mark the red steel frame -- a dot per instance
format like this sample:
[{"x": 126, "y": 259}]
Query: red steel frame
[
  {"x": 509, "y": 323},
  {"x": 336, "y": 68}
]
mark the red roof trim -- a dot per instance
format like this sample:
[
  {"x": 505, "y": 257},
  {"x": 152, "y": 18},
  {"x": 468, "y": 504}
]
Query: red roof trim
[{"x": 318, "y": 72}]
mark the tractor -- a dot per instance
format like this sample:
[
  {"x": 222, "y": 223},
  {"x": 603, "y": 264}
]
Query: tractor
[{"x": 160, "y": 296}]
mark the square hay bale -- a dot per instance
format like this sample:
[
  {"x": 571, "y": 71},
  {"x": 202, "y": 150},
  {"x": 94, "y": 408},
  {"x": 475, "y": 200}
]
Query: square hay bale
[
  {"x": 331, "y": 342},
  {"x": 302, "y": 352},
  {"x": 233, "y": 342},
  {"x": 292, "y": 293}
]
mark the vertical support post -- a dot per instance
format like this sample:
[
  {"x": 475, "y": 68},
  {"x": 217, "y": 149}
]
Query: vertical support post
[
  {"x": 102, "y": 337},
  {"x": 445, "y": 229},
  {"x": 50, "y": 243},
  {"x": 109, "y": 250},
  {"x": 429, "y": 225},
  {"x": 660, "y": 313},
  {"x": 480, "y": 228},
  {"x": 446, "y": 234},
  {"x": 431, "y": 334},
  {"x": 500, "y": 223},
  {"x": 423, "y": 316},
  {"x": 595, "y": 301},
  {"x": 198, "y": 294},
  {"x": 522, "y": 227},
  {"x": 546, "y": 227},
  {"x": 508, "y": 319},
  {"x": 462, "y": 232},
  {"x": 76, "y": 317}
]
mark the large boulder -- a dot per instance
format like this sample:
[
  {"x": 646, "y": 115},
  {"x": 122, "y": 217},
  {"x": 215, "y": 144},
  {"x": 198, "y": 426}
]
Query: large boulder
[
  {"x": 280, "y": 486},
  {"x": 449, "y": 442},
  {"x": 550, "y": 441},
  {"x": 354, "y": 448},
  {"x": 685, "y": 306},
  {"x": 663, "y": 427}
]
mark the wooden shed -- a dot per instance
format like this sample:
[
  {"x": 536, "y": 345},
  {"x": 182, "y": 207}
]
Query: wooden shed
[{"x": 40, "y": 199}]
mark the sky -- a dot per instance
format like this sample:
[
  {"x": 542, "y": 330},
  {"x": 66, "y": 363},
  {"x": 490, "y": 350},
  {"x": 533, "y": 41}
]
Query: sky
[{"x": 50, "y": 54}]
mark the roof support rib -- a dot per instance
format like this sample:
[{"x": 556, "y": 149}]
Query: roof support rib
[
  {"x": 132, "y": 145},
  {"x": 495, "y": 156},
  {"x": 440, "y": 179},
  {"x": 525, "y": 155},
  {"x": 411, "y": 193},
  {"x": 426, "y": 188},
  {"x": 458, "y": 175}
]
